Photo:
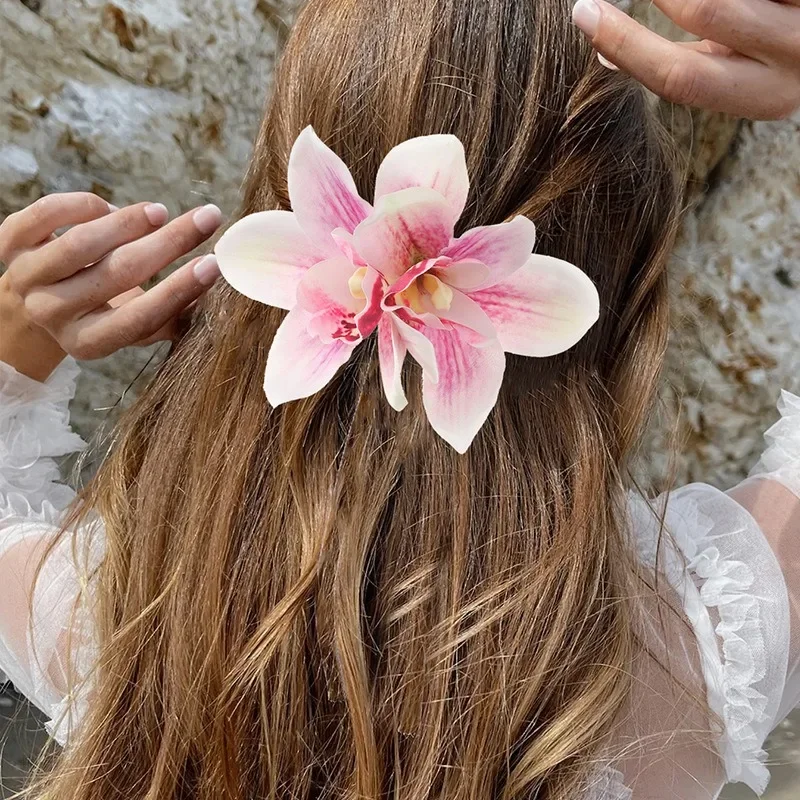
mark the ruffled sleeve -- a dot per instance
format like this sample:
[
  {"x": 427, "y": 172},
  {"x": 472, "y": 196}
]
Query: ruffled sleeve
[
  {"x": 772, "y": 496},
  {"x": 731, "y": 588},
  {"x": 41, "y": 617},
  {"x": 780, "y": 461}
]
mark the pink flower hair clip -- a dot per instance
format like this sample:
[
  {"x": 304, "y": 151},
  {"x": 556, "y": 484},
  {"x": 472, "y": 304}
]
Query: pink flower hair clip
[{"x": 344, "y": 268}]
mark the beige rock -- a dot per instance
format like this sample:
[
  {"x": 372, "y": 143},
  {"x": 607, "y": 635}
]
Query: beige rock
[{"x": 136, "y": 99}]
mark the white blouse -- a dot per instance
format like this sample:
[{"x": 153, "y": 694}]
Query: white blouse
[{"x": 730, "y": 564}]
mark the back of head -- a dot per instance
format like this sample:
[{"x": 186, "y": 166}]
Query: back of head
[{"x": 325, "y": 599}]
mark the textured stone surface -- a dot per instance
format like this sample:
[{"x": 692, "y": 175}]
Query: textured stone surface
[
  {"x": 132, "y": 98},
  {"x": 160, "y": 99},
  {"x": 736, "y": 275}
]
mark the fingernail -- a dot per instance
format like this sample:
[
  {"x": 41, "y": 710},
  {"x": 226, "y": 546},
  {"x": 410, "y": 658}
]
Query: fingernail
[
  {"x": 207, "y": 219},
  {"x": 156, "y": 213},
  {"x": 206, "y": 270},
  {"x": 586, "y": 15},
  {"x": 112, "y": 208},
  {"x": 606, "y": 63}
]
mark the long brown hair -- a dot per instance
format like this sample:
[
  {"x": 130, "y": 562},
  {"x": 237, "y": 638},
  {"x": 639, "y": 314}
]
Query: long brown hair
[{"x": 324, "y": 600}]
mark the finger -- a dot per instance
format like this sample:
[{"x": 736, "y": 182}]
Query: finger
[
  {"x": 131, "y": 265},
  {"x": 85, "y": 244},
  {"x": 732, "y": 84},
  {"x": 760, "y": 28},
  {"x": 705, "y": 46},
  {"x": 169, "y": 332},
  {"x": 101, "y": 333},
  {"x": 37, "y": 222}
]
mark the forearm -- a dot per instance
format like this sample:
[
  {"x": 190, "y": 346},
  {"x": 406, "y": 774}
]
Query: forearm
[{"x": 24, "y": 345}]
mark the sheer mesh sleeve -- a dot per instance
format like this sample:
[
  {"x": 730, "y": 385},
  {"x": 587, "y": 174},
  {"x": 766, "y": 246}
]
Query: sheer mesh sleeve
[
  {"x": 40, "y": 619},
  {"x": 772, "y": 496},
  {"x": 723, "y": 645}
]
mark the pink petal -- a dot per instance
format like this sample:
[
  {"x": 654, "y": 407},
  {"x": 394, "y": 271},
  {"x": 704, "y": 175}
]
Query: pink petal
[
  {"x": 466, "y": 312},
  {"x": 436, "y": 162},
  {"x": 502, "y": 248},
  {"x": 420, "y": 347},
  {"x": 373, "y": 288},
  {"x": 325, "y": 293},
  {"x": 391, "y": 355},
  {"x": 405, "y": 228},
  {"x": 326, "y": 286},
  {"x": 543, "y": 309},
  {"x": 264, "y": 256},
  {"x": 464, "y": 275},
  {"x": 300, "y": 364},
  {"x": 408, "y": 277},
  {"x": 323, "y": 193},
  {"x": 344, "y": 241},
  {"x": 469, "y": 383}
]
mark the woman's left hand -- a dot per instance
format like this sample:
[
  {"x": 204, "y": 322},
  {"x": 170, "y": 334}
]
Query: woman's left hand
[
  {"x": 747, "y": 64},
  {"x": 79, "y": 293}
]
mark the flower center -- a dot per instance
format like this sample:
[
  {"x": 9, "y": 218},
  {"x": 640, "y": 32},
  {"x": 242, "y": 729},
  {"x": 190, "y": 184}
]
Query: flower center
[{"x": 426, "y": 287}]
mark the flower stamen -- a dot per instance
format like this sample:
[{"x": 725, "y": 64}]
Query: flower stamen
[
  {"x": 441, "y": 294},
  {"x": 355, "y": 283}
]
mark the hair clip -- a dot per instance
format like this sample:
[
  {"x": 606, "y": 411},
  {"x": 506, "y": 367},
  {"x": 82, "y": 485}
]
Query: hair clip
[{"x": 344, "y": 269}]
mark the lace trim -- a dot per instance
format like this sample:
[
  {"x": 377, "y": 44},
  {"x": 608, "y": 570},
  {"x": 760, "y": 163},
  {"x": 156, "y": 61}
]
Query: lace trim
[
  {"x": 781, "y": 459},
  {"x": 732, "y": 653}
]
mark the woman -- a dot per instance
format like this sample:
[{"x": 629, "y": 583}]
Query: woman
[{"x": 325, "y": 599}]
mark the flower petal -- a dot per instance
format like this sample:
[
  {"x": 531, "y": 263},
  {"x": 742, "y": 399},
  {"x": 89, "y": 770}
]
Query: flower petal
[
  {"x": 391, "y": 355},
  {"x": 264, "y": 256},
  {"x": 464, "y": 275},
  {"x": 372, "y": 287},
  {"x": 420, "y": 347},
  {"x": 502, "y": 248},
  {"x": 543, "y": 308},
  {"x": 323, "y": 193},
  {"x": 344, "y": 241},
  {"x": 437, "y": 162},
  {"x": 466, "y": 312},
  {"x": 326, "y": 286},
  {"x": 469, "y": 383},
  {"x": 300, "y": 364},
  {"x": 405, "y": 228}
]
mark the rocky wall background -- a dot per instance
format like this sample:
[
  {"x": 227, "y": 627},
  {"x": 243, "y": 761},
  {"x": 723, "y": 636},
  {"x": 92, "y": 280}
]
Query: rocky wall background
[{"x": 160, "y": 99}]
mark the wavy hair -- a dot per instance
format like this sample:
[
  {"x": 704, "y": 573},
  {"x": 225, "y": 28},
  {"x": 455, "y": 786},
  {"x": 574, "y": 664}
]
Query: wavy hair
[{"x": 324, "y": 600}]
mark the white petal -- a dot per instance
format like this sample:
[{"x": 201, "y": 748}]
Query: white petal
[
  {"x": 323, "y": 193},
  {"x": 265, "y": 255},
  {"x": 436, "y": 162},
  {"x": 420, "y": 347},
  {"x": 300, "y": 364},
  {"x": 542, "y": 309},
  {"x": 391, "y": 355},
  {"x": 469, "y": 384}
]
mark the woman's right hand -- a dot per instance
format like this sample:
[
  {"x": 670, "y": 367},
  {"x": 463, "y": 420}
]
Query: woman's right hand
[
  {"x": 747, "y": 64},
  {"x": 79, "y": 293}
]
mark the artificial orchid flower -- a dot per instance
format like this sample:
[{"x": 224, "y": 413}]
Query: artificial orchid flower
[{"x": 344, "y": 268}]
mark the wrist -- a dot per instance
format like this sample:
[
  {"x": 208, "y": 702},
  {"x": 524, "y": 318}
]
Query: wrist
[{"x": 27, "y": 347}]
